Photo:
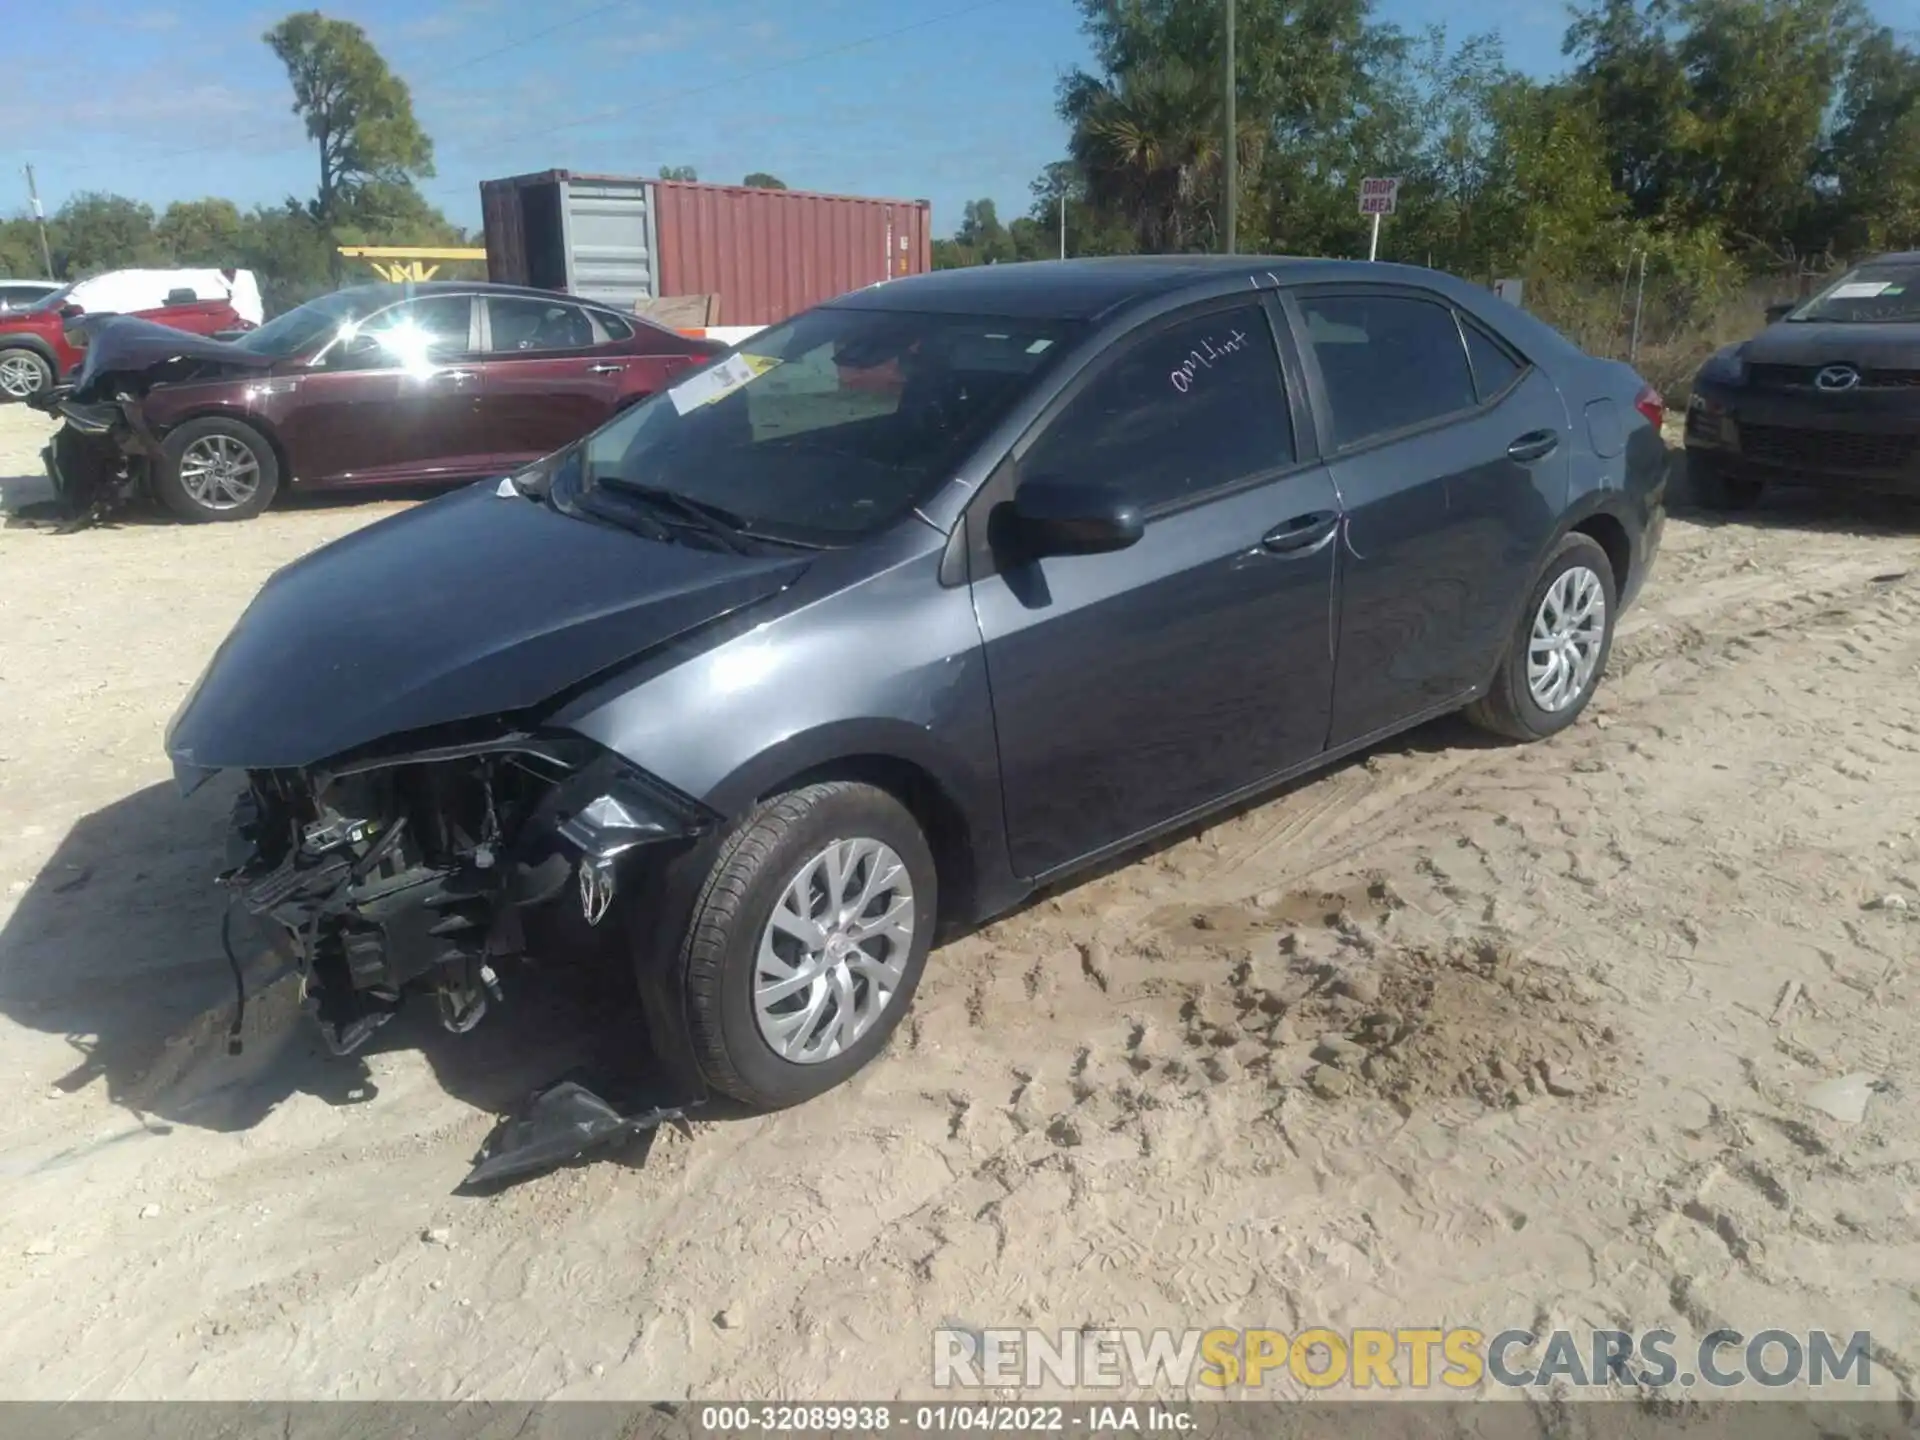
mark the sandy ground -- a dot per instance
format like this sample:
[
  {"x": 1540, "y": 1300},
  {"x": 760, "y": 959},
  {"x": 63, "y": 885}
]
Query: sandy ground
[{"x": 1588, "y": 1107}]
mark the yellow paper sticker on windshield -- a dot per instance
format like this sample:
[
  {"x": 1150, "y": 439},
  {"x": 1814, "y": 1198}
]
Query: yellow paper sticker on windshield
[{"x": 719, "y": 382}]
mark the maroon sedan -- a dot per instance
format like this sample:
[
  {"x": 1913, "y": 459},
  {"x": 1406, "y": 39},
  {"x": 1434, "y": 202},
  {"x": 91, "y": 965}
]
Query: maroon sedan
[{"x": 377, "y": 385}]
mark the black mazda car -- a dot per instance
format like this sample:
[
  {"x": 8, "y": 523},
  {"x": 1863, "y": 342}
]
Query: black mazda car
[
  {"x": 1829, "y": 393},
  {"x": 921, "y": 600}
]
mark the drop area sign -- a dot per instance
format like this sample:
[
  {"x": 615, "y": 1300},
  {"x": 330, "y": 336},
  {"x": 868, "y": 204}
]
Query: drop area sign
[{"x": 1377, "y": 196}]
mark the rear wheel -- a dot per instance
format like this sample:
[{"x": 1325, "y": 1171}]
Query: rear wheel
[
  {"x": 1556, "y": 658},
  {"x": 216, "y": 469},
  {"x": 807, "y": 942},
  {"x": 23, "y": 372},
  {"x": 1713, "y": 486}
]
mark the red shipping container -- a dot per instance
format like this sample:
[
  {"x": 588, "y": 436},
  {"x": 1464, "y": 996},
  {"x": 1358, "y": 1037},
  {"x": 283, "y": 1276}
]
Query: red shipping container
[{"x": 767, "y": 254}]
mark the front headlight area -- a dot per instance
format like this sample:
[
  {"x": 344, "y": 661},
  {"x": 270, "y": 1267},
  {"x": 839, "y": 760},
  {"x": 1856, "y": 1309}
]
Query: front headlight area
[{"x": 416, "y": 870}]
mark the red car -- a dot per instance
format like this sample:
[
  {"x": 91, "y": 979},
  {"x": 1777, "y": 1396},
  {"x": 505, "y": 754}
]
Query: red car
[
  {"x": 36, "y": 352},
  {"x": 444, "y": 382}
]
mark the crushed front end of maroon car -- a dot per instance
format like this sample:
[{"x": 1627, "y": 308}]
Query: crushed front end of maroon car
[{"x": 101, "y": 457}]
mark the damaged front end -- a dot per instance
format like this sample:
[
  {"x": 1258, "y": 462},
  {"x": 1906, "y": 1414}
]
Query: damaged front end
[
  {"x": 102, "y": 457},
  {"x": 417, "y": 872}
]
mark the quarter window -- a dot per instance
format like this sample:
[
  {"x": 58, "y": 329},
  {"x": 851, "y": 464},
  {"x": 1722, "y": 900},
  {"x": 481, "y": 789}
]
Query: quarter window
[
  {"x": 1186, "y": 411},
  {"x": 1494, "y": 367},
  {"x": 1387, "y": 362}
]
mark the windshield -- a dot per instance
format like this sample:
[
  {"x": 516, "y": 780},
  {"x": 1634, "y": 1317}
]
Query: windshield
[
  {"x": 1878, "y": 293},
  {"x": 302, "y": 327},
  {"x": 47, "y": 302},
  {"x": 826, "y": 428}
]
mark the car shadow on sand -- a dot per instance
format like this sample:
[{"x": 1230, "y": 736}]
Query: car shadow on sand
[{"x": 116, "y": 948}]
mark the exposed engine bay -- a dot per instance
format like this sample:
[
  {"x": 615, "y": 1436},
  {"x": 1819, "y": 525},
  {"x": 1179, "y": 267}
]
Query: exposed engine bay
[{"x": 418, "y": 873}]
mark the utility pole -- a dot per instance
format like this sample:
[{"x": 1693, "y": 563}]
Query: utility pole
[
  {"x": 1233, "y": 139},
  {"x": 40, "y": 218},
  {"x": 1063, "y": 221}
]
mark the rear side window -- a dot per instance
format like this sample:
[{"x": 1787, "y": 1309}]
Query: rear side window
[
  {"x": 1387, "y": 362},
  {"x": 609, "y": 327},
  {"x": 1494, "y": 366},
  {"x": 1186, "y": 411},
  {"x": 521, "y": 325}
]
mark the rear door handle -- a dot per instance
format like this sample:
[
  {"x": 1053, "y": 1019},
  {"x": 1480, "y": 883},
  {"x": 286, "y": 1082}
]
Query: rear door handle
[
  {"x": 1302, "y": 535},
  {"x": 605, "y": 369},
  {"x": 1534, "y": 445}
]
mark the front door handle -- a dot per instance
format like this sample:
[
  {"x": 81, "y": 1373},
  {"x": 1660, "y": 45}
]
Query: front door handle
[
  {"x": 605, "y": 369},
  {"x": 1534, "y": 445},
  {"x": 1302, "y": 535},
  {"x": 456, "y": 375}
]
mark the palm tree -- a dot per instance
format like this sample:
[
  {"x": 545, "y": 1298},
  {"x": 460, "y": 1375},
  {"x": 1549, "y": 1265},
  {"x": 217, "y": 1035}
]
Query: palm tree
[{"x": 1150, "y": 144}]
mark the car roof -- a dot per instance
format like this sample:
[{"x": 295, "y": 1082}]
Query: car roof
[
  {"x": 1094, "y": 287},
  {"x": 396, "y": 289}
]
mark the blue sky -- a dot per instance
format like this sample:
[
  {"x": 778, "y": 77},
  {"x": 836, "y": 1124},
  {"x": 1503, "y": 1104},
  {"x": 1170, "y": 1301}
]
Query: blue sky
[{"x": 942, "y": 100}]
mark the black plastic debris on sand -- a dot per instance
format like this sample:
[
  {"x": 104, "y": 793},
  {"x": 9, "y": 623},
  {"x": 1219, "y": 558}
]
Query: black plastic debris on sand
[{"x": 562, "y": 1123}]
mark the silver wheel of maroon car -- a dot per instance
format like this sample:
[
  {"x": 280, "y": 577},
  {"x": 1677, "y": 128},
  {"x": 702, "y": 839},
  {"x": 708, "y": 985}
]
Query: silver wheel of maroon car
[
  {"x": 807, "y": 941},
  {"x": 216, "y": 469},
  {"x": 23, "y": 372}
]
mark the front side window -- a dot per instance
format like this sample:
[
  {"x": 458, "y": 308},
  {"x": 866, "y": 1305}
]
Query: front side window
[
  {"x": 415, "y": 333},
  {"x": 1387, "y": 362},
  {"x": 1186, "y": 411},
  {"x": 827, "y": 427}
]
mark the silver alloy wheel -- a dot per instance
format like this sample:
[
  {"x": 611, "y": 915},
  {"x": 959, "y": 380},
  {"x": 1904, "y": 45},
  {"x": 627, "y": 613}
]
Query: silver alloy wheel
[
  {"x": 21, "y": 374},
  {"x": 834, "y": 952},
  {"x": 219, "y": 472},
  {"x": 1568, "y": 630}
]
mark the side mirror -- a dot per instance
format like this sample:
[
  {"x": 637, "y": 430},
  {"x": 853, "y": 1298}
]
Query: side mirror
[
  {"x": 1061, "y": 517},
  {"x": 1778, "y": 312},
  {"x": 70, "y": 311}
]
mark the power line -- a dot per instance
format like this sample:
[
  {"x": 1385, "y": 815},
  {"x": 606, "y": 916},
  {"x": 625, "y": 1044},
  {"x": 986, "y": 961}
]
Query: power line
[
  {"x": 676, "y": 95},
  {"x": 525, "y": 40}
]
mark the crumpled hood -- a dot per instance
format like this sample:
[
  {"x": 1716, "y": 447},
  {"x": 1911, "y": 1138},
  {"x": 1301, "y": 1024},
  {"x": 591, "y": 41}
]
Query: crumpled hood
[
  {"x": 1874, "y": 347},
  {"x": 123, "y": 342},
  {"x": 471, "y": 605}
]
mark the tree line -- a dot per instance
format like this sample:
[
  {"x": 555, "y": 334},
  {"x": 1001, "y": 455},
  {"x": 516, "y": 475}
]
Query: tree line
[{"x": 1708, "y": 142}]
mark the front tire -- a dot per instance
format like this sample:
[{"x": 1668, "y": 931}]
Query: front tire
[
  {"x": 216, "y": 469},
  {"x": 1559, "y": 652},
  {"x": 807, "y": 942},
  {"x": 23, "y": 373}
]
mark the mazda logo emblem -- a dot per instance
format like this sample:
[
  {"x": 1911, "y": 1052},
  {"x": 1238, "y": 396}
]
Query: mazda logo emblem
[{"x": 1837, "y": 377}]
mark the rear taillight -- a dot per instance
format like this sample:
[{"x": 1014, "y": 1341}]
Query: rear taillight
[{"x": 1649, "y": 404}]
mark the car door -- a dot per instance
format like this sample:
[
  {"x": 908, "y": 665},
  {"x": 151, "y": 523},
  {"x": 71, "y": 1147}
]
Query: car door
[
  {"x": 396, "y": 399},
  {"x": 552, "y": 372},
  {"x": 1134, "y": 687},
  {"x": 1449, "y": 484}
]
